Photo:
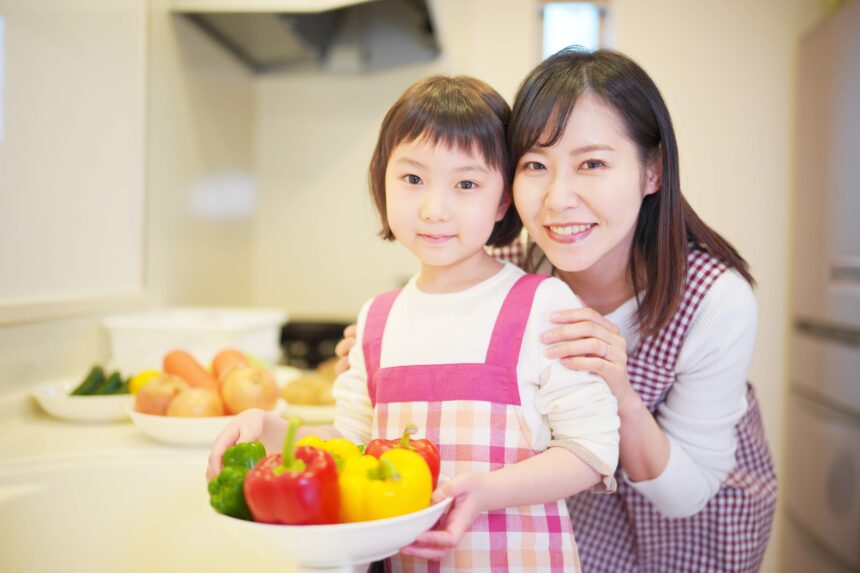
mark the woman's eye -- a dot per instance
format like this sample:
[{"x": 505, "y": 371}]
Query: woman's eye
[
  {"x": 412, "y": 179},
  {"x": 466, "y": 185},
  {"x": 593, "y": 164},
  {"x": 533, "y": 166}
]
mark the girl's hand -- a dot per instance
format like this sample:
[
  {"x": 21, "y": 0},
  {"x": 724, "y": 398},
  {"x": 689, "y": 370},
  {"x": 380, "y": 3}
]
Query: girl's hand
[
  {"x": 469, "y": 493},
  {"x": 585, "y": 340},
  {"x": 343, "y": 347},
  {"x": 250, "y": 425}
]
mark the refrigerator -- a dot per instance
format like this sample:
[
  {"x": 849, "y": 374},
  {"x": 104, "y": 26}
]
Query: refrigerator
[{"x": 821, "y": 476}]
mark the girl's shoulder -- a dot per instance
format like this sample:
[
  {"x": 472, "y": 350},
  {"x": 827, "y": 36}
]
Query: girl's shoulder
[{"x": 554, "y": 294}]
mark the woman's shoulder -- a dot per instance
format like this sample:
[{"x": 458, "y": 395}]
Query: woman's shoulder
[
  {"x": 726, "y": 318},
  {"x": 730, "y": 296}
]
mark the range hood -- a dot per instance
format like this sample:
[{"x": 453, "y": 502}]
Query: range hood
[{"x": 345, "y": 36}]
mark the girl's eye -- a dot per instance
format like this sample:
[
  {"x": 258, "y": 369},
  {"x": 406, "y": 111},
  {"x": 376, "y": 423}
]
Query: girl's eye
[
  {"x": 466, "y": 185},
  {"x": 593, "y": 164},
  {"x": 412, "y": 179},
  {"x": 533, "y": 166}
]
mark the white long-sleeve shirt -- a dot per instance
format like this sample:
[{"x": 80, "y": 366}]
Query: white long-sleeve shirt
[
  {"x": 564, "y": 408},
  {"x": 707, "y": 399}
]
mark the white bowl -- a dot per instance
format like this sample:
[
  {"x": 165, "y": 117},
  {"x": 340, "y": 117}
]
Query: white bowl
[
  {"x": 340, "y": 547},
  {"x": 180, "y": 431},
  {"x": 54, "y": 398}
]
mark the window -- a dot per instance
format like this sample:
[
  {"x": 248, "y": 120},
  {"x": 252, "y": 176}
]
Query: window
[{"x": 572, "y": 23}]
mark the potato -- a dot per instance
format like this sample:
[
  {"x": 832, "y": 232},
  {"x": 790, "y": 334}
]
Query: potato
[{"x": 312, "y": 389}]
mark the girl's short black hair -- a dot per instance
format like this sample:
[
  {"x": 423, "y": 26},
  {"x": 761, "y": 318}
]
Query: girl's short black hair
[{"x": 462, "y": 112}]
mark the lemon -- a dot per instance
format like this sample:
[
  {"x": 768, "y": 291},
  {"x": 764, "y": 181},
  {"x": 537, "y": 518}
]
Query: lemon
[{"x": 138, "y": 380}]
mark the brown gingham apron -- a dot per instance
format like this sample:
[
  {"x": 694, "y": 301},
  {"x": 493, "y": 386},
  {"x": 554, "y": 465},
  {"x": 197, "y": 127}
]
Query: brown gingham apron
[
  {"x": 625, "y": 533},
  {"x": 473, "y": 412}
]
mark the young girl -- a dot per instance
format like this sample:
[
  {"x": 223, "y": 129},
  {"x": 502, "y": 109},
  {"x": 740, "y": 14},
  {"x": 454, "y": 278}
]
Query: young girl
[
  {"x": 456, "y": 351},
  {"x": 598, "y": 188}
]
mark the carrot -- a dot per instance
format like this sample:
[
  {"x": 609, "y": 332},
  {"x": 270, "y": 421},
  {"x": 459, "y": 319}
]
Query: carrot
[
  {"x": 180, "y": 363},
  {"x": 227, "y": 360}
]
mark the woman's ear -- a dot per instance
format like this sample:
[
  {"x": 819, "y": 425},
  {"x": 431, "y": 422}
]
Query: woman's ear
[
  {"x": 654, "y": 173},
  {"x": 504, "y": 205}
]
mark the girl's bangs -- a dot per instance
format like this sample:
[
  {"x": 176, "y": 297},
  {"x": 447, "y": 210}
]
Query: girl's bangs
[{"x": 460, "y": 132}]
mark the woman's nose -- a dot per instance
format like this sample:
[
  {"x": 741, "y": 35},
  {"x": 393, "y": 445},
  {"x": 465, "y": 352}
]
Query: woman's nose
[
  {"x": 434, "y": 207},
  {"x": 561, "y": 193}
]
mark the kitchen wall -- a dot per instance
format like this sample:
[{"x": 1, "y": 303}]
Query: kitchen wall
[
  {"x": 726, "y": 69},
  {"x": 316, "y": 249},
  {"x": 110, "y": 105}
]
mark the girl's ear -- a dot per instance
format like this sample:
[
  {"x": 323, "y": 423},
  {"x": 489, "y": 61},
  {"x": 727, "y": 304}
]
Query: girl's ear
[
  {"x": 504, "y": 205},
  {"x": 654, "y": 173}
]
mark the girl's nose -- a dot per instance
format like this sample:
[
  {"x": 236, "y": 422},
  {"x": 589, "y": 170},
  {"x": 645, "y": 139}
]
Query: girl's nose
[
  {"x": 560, "y": 193},
  {"x": 433, "y": 208}
]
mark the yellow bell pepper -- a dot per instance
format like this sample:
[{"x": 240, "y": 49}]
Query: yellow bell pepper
[
  {"x": 396, "y": 483},
  {"x": 339, "y": 448}
]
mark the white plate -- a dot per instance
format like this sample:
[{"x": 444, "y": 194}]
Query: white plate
[
  {"x": 341, "y": 547},
  {"x": 180, "y": 431},
  {"x": 54, "y": 398},
  {"x": 310, "y": 414}
]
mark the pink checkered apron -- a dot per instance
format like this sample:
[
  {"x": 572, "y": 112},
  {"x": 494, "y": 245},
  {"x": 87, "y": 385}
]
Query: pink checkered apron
[
  {"x": 473, "y": 412},
  {"x": 625, "y": 533}
]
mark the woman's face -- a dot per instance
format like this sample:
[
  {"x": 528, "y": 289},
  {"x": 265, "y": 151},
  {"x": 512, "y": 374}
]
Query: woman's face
[{"x": 580, "y": 198}]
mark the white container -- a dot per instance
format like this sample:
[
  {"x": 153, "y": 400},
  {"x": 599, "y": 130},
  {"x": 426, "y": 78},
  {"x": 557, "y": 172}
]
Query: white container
[{"x": 140, "y": 340}]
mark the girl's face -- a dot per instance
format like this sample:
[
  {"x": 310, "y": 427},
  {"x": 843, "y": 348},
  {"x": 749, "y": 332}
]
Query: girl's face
[
  {"x": 580, "y": 198},
  {"x": 442, "y": 203}
]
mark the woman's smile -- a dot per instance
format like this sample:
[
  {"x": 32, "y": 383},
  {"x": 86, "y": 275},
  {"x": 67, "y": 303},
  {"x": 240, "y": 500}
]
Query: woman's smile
[{"x": 569, "y": 232}]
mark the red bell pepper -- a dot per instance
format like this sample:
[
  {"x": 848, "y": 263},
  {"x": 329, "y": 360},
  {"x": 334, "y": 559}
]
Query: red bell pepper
[
  {"x": 425, "y": 448},
  {"x": 296, "y": 487}
]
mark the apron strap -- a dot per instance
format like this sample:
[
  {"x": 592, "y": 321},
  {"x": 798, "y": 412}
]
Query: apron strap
[
  {"x": 507, "y": 339},
  {"x": 374, "y": 326}
]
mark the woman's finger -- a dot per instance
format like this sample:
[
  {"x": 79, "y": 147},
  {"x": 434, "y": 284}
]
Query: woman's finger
[
  {"x": 583, "y": 347},
  {"x": 350, "y": 331},
  {"x": 583, "y": 314},
  {"x": 343, "y": 346},
  {"x": 599, "y": 366},
  {"x": 342, "y": 365}
]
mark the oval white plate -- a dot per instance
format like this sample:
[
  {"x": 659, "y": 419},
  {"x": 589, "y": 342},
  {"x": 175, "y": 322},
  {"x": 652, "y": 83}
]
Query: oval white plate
[
  {"x": 54, "y": 398},
  {"x": 180, "y": 431},
  {"x": 335, "y": 546}
]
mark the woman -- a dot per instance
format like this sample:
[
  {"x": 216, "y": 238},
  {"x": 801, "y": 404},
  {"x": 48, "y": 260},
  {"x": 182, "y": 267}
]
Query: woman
[{"x": 670, "y": 323}]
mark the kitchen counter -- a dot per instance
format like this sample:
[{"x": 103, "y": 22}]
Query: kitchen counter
[
  {"x": 81, "y": 497},
  {"x": 27, "y": 431}
]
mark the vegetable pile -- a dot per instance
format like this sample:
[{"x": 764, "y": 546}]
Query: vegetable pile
[
  {"x": 317, "y": 482},
  {"x": 185, "y": 388}
]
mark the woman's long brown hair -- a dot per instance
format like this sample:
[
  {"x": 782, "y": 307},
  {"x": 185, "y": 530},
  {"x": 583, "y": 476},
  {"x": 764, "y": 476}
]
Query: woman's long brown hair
[{"x": 667, "y": 227}]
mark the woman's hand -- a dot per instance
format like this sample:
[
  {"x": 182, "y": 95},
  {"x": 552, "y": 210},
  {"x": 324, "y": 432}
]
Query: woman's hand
[
  {"x": 585, "y": 340},
  {"x": 250, "y": 425},
  {"x": 343, "y": 347},
  {"x": 469, "y": 493}
]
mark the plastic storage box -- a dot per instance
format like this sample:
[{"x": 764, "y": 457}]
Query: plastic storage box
[{"x": 140, "y": 340}]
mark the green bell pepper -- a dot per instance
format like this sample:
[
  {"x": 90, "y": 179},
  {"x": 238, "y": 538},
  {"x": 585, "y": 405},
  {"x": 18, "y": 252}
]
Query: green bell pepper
[{"x": 226, "y": 493}]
